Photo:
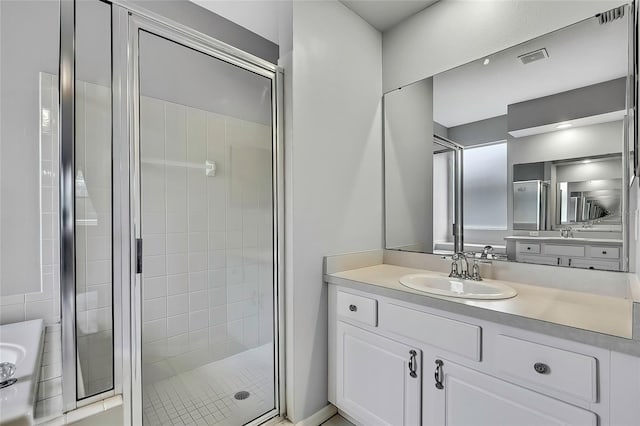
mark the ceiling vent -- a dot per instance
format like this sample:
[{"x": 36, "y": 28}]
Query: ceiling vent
[
  {"x": 610, "y": 15},
  {"x": 536, "y": 55}
]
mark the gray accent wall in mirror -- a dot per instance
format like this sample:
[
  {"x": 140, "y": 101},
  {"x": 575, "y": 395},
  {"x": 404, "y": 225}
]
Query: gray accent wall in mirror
[{"x": 528, "y": 150}]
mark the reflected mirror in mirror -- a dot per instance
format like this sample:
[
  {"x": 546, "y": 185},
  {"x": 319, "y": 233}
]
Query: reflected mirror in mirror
[{"x": 541, "y": 129}]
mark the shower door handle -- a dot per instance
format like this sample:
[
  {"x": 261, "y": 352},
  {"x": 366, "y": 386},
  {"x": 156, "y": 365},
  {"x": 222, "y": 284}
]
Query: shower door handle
[{"x": 138, "y": 255}]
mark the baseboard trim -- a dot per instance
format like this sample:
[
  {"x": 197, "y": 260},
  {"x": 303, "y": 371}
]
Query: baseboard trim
[
  {"x": 348, "y": 417},
  {"x": 319, "y": 417}
]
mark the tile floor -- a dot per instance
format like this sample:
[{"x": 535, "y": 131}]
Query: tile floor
[
  {"x": 205, "y": 395},
  {"x": 337, "y": 420}
]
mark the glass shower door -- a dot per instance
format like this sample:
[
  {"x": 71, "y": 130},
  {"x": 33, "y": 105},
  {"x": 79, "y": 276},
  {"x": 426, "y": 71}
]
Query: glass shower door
[{"x": 207, "y": 224}]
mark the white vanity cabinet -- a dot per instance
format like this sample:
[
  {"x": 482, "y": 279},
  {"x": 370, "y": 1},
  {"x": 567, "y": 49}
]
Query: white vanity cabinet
[
  {"x": 467, "y": 397},
  {"x": 378, "y": 380},
  {"x": 603, "y": 255},
  {"x": 392, "y": 362}
]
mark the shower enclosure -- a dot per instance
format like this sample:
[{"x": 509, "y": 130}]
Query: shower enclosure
[
  {"x": 170, "y": 218},
  {"x": 205, "y": 146}
]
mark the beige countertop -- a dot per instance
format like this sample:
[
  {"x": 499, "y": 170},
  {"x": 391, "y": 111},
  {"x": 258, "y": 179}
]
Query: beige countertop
[{"x": 590, "y": 318}]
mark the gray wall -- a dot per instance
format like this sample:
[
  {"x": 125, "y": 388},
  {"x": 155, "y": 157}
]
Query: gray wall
[
  {"x": 586, "y": 101},
  {"x": 528, "y": 171},
  {"x": 207, "y": 22},
  {"x": 334, "y": 177},
  {"x": 408, "y": 167},
  {"x": 479, "y": 132},
  {"x": 440, "y": 130},
  {"x": 173, "y": 73}
]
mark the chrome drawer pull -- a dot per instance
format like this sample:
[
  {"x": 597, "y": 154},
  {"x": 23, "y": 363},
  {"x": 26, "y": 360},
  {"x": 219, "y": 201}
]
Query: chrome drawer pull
[
  {"x": 412, "y": 364},
  {"x": 541, "y": 368},
  {"x": 438, "y": 374},
  {"x": 353, "y": 308}
]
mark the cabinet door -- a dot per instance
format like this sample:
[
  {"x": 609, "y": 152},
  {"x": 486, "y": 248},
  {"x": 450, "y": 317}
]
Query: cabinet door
[
  {"x": 378, "y": 380},
  {"x": 468, "y": 398}
]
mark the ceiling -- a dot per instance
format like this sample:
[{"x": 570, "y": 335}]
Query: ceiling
[
  {"x": 580, "y": 55},
  {"x": 258, "y": 16},
  {"x": 384, "y": 14},
  {"x": 261, "y": 16}
]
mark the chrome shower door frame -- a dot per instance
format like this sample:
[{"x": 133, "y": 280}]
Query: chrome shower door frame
[
  {"x": 142, "y": 20},
  {"x": 67, "y": 123}
]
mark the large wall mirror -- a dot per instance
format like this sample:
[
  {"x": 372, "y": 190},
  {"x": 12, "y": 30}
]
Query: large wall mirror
[{"x": 523, "y": 155}]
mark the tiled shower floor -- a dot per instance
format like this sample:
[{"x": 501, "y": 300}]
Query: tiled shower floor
[{"x": 205, "y": 395}]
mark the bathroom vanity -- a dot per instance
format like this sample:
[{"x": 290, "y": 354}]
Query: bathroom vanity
[
  {"x": 399, "y": 356},
  {"x": 587, "y": 253}
]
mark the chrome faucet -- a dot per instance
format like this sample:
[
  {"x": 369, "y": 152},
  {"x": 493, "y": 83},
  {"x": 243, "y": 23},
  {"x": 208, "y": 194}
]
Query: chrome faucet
[
  {"x": 566, "y": 232},
  {"x": 463, "y": 272},
  {"x": 486, "y": 251},
  {"x": 459, "y": 272},
  {"x": 475, "y": 272}
]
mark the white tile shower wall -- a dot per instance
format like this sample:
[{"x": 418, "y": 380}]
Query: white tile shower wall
[
  {"x": 49, "y": 398},
  {"x": 44, "y": 304},
  {"x": 208, "y": 241}
]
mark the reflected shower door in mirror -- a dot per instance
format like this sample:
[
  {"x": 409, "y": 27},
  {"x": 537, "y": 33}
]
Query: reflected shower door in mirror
[{"x": 543, "y": 127}]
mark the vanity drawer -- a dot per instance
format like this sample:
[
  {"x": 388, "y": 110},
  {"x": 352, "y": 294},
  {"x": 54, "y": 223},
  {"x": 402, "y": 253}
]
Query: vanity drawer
[
  {"x": 606, "y": 265},
  {"x": 453, "y": 336},
  {"x": 559, "y": 250},
  {"x": 357, "y": 308},
  {"x": 528, "y": 248},
  {"x": 604, "y": 252},
  {"x": 546, "y": 367}
]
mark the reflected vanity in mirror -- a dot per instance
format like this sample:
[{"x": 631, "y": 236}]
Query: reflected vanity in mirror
[{"x": 527, "y": 155}]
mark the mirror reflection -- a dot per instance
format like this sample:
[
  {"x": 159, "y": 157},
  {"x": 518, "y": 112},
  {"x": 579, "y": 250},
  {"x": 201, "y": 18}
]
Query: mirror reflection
[{"x": 542, "y": 173}]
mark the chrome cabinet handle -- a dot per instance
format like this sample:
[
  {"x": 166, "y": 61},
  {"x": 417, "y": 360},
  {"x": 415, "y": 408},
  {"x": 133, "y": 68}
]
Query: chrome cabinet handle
[
  {"x": 353, "y": 308},
  {"x": 541, "y": 368},
  {"x": 438, "y": 374},
  {"x": 413, "y": 367}
]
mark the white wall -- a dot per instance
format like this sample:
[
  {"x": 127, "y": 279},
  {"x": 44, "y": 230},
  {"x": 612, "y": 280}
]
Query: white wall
[
  {"x": 28, "y": 45},
  {"x": 453, "y": 32},
  {"x": 334, "y": 176},
  {"x": 25, "y": 304},
  {"x": 408, "y": 166}
]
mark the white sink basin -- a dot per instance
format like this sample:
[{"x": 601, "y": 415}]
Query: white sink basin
[
  {"x": 21, "y": 344},
  {"x": 455, "y": 287},
  {"x": 12, "y": 353}
]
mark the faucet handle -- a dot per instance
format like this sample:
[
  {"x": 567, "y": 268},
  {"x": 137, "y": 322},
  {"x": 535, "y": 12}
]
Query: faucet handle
[
  {"x": 7, "y": 371},
  {"x": 475, "y": 271},
  {"x": 454, "y": 270}
]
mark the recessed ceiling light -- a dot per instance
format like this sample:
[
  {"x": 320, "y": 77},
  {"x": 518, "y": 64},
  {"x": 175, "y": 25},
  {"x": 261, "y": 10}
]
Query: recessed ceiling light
[
  {"x": 586, "y": 161},
  {"x": 563, "y": 126},
  {"x": 486, "y": 61}
]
